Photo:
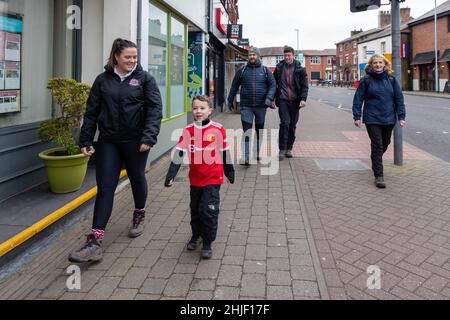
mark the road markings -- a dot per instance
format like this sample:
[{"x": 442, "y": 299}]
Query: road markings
[
  {"x": 340, "y": 106},
  {"x": 445, "y": 132},
  {"x": 418, "y": 132}
]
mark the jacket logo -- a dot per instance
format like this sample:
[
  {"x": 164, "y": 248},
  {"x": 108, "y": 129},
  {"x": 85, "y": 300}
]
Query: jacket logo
[{"x": 134, "y": 83}]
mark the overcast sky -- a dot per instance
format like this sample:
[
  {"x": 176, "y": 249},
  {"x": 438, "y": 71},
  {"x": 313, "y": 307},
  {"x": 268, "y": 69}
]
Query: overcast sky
[{"x": 322, "y": 23}]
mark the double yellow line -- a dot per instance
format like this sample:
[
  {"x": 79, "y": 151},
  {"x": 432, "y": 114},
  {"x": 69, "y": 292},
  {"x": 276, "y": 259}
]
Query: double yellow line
[{"x": 30, "y": 232}]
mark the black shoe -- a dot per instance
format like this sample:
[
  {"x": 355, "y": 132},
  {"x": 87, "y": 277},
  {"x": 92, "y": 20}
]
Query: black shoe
[
  {"x": 379, "y": 183},
  {"x": 207, "y": 252},
  {"x": 288, "y": 154},
  {"x": 193, "y": 244}
]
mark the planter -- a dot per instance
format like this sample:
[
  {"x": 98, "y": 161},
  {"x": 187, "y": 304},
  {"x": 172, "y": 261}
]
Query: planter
[{"x": 65, "y": 173}]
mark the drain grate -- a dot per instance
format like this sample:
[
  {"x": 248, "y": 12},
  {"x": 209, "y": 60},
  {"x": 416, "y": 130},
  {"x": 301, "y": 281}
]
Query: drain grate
[{"x": 341, "y": 165}]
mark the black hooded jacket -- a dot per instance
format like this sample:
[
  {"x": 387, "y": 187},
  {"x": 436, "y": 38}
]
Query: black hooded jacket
[{"x": 124, "y": 111}]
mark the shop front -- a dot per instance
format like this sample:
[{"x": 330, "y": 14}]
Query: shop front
[{"x": 35, "y": 45}]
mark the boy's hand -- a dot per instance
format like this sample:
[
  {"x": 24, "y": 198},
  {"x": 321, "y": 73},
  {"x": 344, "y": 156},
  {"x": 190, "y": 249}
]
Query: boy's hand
[
  {"x": 168, "y": 184},
  {"x": 229, "y": 173}
]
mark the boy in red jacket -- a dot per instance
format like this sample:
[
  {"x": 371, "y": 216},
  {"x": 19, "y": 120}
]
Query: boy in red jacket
[{"x": 208, "y": 150}]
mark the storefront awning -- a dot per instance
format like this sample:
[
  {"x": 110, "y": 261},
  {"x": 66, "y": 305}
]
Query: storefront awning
[
  {"x": 424, "y": 58},
  {"x": 446, "y": 56}
]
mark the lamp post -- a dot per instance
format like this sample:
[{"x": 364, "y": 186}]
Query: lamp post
[
  {"x": 397, "y": 65},
  {"x": 298, "y": 39},
  {"x": 436, "y": 62}
]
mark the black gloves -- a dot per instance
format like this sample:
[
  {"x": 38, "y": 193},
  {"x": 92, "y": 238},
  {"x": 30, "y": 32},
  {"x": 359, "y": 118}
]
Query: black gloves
[
  {"x": 171, "y": 174},
  {"x": 228, "y": 166},
  {"x": 174, "y": 168},
  {"x": 229, "y": 172}
]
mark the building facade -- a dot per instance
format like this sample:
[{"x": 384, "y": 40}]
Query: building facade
[
  {"x": 423, "y": 49},
  {"x": 381, "y": 43},
  {"x": 319, "y": 64},
  {"x": 347, "y": 51},
  {"x": 67, "y": 38}
]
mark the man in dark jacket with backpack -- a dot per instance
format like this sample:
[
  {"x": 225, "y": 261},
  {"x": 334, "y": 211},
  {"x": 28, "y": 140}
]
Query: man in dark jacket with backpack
[
  {"x": 292, "y": 93},
  {"x": 258, "y": 88}
]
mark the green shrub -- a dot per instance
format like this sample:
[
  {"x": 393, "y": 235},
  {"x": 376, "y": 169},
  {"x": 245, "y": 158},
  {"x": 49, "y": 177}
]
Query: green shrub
[{"x": 71, "y": 97}]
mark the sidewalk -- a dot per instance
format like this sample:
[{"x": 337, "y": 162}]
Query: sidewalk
[
  {"x": 304, "y": 233},
  {"x": 422, "y": 93}
]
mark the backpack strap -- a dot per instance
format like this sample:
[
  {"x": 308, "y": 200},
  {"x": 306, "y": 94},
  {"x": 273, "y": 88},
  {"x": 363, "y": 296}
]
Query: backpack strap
[
  {"x": 367, "y": 79},
  {"x": 242, "y": 74}
]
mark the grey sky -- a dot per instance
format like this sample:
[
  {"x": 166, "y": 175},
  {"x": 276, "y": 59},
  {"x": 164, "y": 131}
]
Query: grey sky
[{"x": 322, "y": 23}]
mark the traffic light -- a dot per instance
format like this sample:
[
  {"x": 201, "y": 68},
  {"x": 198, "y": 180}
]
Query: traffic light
[{"x": 363, "y": 5}]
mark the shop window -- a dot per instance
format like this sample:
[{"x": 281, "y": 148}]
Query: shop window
[
  {"x": 26, "y": 51},
  {"x": 158, "y": 48},
  {"x": 315, "y": 75},
  {"x": 177, "y": 88},
  {"x": 279, "y": 59}
]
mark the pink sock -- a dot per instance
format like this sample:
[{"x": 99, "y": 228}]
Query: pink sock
[{"x": 99, "y": 234}]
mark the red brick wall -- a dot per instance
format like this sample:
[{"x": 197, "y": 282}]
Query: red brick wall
[
  {"x": 322, "y": 68},
  {"x": 423, "y": 41},
  {"x": 353, "y": 67}
]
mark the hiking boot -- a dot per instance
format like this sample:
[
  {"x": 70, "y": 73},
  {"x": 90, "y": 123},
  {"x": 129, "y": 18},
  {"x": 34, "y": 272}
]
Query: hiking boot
[
  {"x": 379, "y": 183},
  {"x": 90, "y": 251},
  {"x": 207, "y": 252},
  {"x": 288, "y": 154},
  {"x": 193, "y": 244},
  {"x": 137, "y": 226}
]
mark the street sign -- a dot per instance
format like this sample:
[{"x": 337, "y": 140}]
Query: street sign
[
  {"x": 243, "y": 42},
  {"x": 364, "y": 5}
]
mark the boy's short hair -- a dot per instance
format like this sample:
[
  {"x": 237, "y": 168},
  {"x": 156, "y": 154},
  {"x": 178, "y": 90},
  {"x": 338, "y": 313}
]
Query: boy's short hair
[
  {"x": 203, "y": 98},
  {"x": 288, "y": 49}
]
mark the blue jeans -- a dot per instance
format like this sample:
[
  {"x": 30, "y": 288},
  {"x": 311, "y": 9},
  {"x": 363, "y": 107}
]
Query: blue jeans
[{"x": 248, "y": 116}]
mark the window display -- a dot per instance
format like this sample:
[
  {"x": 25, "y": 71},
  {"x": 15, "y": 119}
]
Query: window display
[{"x": 10, "y": 62}]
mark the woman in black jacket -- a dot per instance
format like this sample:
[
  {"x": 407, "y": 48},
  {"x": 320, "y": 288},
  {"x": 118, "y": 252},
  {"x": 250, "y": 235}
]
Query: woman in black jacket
[{"x": 125, "y": 104}]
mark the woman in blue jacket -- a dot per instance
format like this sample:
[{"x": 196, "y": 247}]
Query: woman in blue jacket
[{"x": 382, "y": 97}]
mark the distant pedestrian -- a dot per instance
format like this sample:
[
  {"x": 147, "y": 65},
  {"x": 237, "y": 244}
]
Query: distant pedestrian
[
  {"x": 125, "y": 104},
  {"x": 206, "y": 144},
  {"x": 381, "y": 95},
  {"x": 292, "y": 93},
  {"x": 258, "y": 88}
]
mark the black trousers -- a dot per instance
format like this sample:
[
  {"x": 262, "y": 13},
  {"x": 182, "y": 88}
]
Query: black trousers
[
  {"x": 205, "y": 203},
  {"x": 289, "y": 115},
  {"x": 380, "y": 137},
  {"x": 112, "y": 157}
]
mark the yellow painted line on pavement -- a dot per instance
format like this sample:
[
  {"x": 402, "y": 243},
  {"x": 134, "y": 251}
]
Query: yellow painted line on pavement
[{"x": 30, "y": 232}]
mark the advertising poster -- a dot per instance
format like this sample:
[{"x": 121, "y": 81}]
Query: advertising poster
[
  {"x": 10, "y": 62},
  {"x": 195, "y": 60}
]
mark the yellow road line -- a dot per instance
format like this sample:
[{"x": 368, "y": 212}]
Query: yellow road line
[{"x": 30, "y": 232}]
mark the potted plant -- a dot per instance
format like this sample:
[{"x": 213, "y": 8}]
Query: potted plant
[{"x": 66, "y": 166}]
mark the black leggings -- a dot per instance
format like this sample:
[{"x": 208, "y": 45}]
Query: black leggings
[
  {"x": 380, "y": 137},
  {"x": 111, "y": 159}
]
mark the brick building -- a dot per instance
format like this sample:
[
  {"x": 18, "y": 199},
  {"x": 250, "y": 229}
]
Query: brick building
[
  {"x": 422, "y": 47},
  {"x": 318, "y": 63},
  {"x": 347, "y": 50}
]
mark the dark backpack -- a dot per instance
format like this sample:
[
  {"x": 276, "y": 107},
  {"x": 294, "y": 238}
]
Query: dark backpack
[
  {"x": 245, "y": 68},
  {"x": 368, "y": 78}
]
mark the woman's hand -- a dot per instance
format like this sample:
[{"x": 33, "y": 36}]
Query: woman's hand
[
  {"x": 88, "y": 151},
  {"x": 402, "y": 123},
  {"x": 145, "y": 147},
  {"x": 358, "y": 123}
]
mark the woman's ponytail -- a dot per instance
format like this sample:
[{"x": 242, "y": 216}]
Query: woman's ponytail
[{"x": 117, "y": 48}]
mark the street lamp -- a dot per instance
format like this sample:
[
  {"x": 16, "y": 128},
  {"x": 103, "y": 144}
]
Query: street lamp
[
  {"x": 298, "y": 39},
  {"x": 436, "y": 66}
]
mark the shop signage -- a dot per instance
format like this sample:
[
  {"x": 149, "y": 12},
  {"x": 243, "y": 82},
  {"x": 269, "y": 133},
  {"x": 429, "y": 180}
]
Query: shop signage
[
  {"x": 234, "y": 31},
  {"x": 10, "y": 63},
  {"x": 243, "y": 42},
  {"x": 222, "y": 20},
  {"x": 195, "y": 68}
]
